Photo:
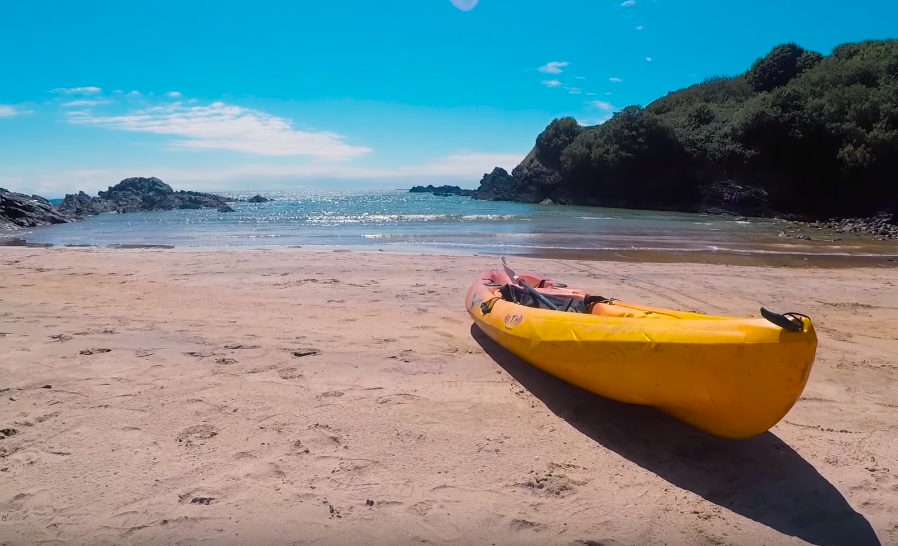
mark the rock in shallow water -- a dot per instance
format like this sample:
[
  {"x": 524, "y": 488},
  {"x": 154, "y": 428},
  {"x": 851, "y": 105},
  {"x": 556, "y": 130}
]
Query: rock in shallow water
[
  {"x": 136, "y": 195},
  {"x": 20, "y": 210}
]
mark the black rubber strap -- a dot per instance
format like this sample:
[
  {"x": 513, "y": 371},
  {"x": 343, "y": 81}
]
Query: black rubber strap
[{"x": 783, "y": 321}]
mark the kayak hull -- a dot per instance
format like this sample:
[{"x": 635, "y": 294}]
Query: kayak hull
[{"x": 730, "y": 377}]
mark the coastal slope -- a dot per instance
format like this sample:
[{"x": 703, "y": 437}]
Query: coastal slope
[{"x": 799, "y": 135}]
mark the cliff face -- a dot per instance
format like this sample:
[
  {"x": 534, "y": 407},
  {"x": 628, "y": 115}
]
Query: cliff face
[{"x": 137, "y": 195}]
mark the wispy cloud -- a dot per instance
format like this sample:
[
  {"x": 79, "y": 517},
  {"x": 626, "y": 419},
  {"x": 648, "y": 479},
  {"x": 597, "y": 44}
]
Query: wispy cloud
[
  {"x": 553, "y": 67},
  {"x": 573, "y": 90},
  {"x": 615, "y": 80},
  {"x": 173, "y": 95},
  {"x": 74, "y": 103},
  {"x": 628, "y": 3},
  {"x": 649, "y": 59},
  {"x": 602, "y": 105},
  {"x": 133, "y": 93},
  {"x": 464, "y": 5},
  {"x": 7, "y": 111},
  {"x": 220, "y": 126},
  {"x": 551, "y": 83},
  {"x": 640, "y": 27},
  {"x": 580, "y": 77},
  {"x": 78, "y": 90},
  {"x": 464, "y": 168}
]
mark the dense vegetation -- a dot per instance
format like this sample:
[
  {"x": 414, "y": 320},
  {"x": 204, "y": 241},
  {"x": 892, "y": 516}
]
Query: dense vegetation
[{"x": 818, "y": 134}]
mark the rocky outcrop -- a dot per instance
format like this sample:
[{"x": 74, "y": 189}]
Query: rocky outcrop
[
  {"x": 442, "y": 191},
  {"x": 138, "y": 195},
  {"x": 18, "y": 210},
  {"x": 729, "y": 198},
  {"x": 882, "y": 226},
  {"x": 258, "y": 199},
  {"x": 529, "y": 182}
]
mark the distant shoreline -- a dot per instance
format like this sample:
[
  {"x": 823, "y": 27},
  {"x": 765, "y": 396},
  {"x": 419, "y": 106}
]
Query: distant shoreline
[{"x": 680, "y": 256}]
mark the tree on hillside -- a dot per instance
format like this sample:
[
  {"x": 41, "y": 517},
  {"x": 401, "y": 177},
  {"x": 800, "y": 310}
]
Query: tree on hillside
[
  {"x": 555, "y": 138},
  {"x": 778, "y": 68},
  {"x": 633, "y": 156},
  {"x": 818, "y": 134}
]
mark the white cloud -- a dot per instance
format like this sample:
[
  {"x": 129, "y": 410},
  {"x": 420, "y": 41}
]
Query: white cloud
[
  {"x": 608, "y": 93},
  {"x": 628, "y": 3},
  {"x": 553, "y": 67},
  {"x": 602, "y": 105},
  {"x": 462, "y": 168},
  {"x": 85, "y": 103},
  {"x": 78, "y": 90},
  {"x": 615, "y": 80},
  {"x": 133, "y": 93},
  {"x": 640, "y": 27},
  {"x": 649, "y": 59},
  {"x": 464, "y": 5},
  {"x": 173, "y": 95},
  {"x": 573, "y": 90},
  {"x": 551, "y": 83},
  {"x": 220, "y": 126},
  {"x": 580, "y": 77},
  {"x": 7, "y": 111}
]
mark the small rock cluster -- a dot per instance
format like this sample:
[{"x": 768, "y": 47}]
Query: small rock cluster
[{"x": 880, "y": 226}]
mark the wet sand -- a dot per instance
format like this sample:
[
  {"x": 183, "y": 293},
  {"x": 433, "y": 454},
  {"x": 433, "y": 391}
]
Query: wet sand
[{"x": 158, "y": 396}]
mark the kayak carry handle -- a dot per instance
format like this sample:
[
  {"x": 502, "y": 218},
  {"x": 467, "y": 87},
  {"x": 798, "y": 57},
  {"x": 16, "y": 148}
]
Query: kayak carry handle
[{"x": 783, "y": 321}]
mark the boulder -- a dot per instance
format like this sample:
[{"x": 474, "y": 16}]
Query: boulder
[
  {"x": 258, "y": 199},
  {"x": 138, "y": 194},
  {"x": 20, "y": 210}
]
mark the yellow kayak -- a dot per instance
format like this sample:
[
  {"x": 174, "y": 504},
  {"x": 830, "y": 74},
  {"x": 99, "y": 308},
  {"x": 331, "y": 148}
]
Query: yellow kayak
[{"x": 731, "y": 377}]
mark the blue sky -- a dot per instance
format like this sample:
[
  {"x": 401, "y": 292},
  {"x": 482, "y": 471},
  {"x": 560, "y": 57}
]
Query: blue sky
[{"x": 349, "y": 94}]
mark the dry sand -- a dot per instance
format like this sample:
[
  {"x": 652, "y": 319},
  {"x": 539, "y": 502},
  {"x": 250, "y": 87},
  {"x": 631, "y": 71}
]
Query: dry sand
[{"x": 298, "y": 397}]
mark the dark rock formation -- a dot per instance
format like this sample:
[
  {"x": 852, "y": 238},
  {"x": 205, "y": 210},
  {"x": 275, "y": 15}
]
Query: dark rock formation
[
  {"x": 226, "y": 208},
  {"x": 442, "y": 191},
  {"x": 136, "y": 195},
  {"x": 20, "y": 210},
  {"x": 881, "y": 226},
  {"x": 727, "y": 197},
  {"x": 529, "y": 182},
  {"x": 258, "y": 199}
]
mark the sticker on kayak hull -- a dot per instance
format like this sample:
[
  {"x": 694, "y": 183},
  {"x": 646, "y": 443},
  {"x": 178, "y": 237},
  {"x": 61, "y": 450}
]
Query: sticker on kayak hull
[{"x": 512, "y": 320}]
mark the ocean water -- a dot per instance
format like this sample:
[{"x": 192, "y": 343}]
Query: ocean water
[{"x": 399, "y": 220}]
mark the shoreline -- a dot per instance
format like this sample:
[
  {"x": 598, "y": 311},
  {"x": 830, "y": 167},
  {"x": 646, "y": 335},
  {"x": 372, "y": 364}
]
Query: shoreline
[{"x": 655, "y": 256}]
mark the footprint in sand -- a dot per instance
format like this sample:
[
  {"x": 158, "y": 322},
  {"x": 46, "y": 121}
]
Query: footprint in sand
[
  {"x": 196, "y": 434},
  {"x": 525, "y": 525},
  {"x": 235, "y": 347},
  {"x": 88, "y": 352},
  {"x": 330, "y": 394},
  {"x": 289, "y": 373},
  {"x": 203, "y": 496},
  {"x": 299, "y": 353},
  {"x": 399, "y": 398}
]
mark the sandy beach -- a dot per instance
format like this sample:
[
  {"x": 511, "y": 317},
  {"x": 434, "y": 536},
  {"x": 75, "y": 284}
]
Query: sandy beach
[{"x": 156, "y": 396}]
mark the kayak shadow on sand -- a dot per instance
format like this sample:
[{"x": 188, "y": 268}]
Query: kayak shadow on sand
[{"x": 761, "y": 478}]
